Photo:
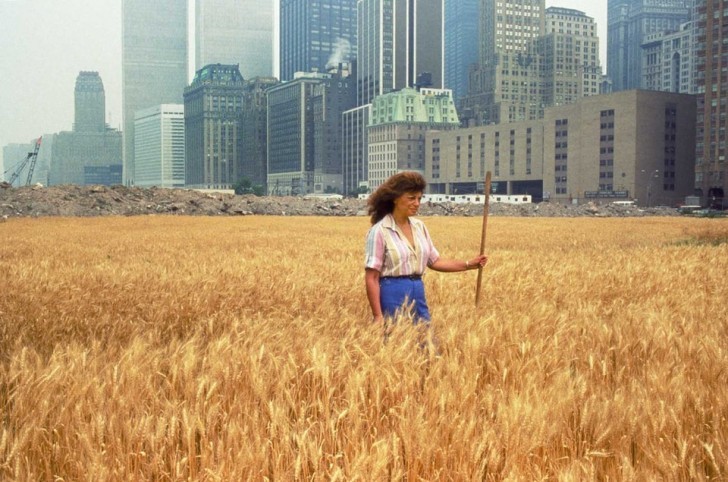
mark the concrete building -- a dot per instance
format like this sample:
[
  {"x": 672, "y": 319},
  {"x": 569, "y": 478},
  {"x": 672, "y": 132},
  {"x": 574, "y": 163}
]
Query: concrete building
[
  {"x": 316, "y": 36},
  {"x": 461, "y": 43},
  {"x": 711, "y": 173},
  {"x": 304, "y": 133},
  {"x": 331, "y": 98},
  {"x": 506, "y": 85},
  {"x": 213, "y": 105},
  {"x": 154, "y": 62},
  {"x": 86, "y": 158},
  {"x": 629, "y": 24},
  {"x": 399, "y": 40},
  {"x": 254, "y": 129},
  {"x": 401, "y": 45},
  {"x": 159, "y": 146},
  {"x": 234, "y": 32},
  {"x": 669, "y": 61},
  {"x": 90, "y": 102},
  {"x": 355, "y": 149},
  {"x": 397, "y": 127},
  {"x": 92, "y": 152},
  {"x": 623, "y": 146},
  {"x": 570, "y": 52}
]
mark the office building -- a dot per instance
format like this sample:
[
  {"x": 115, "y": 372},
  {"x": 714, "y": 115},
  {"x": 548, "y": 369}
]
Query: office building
[
  {"x": 397, "y": 127},
  {"x": 400, "y": 41},
  {"x": 213, "y": 105},
  {"x": 628, "y": 25},
  {"x": 154, "y": 62},
  {"x": 331, "y": 98},
  {"x": 355, "y": 149},
  {"x": 159, "y": 146},
  {"x": 304, "y": 133},
  {"x": 254, "y": 130},
  {"x": 92, "y": 152},
  {"x": 506, "y": 86},
  {"x": 711, "y": 176},
  {"x": 235, "y": 32},
  {"x": 316, "y": 36},
  {"x": 630, "y": 145},
  {"x": 461, "y": 43},
  {"x": 668, "y": 61},
  {"x": 90, "y": 102},
  {"x": 570, "y": 51}
]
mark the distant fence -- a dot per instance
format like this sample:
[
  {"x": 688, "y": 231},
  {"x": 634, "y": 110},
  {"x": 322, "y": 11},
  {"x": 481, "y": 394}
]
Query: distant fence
[{"x": 471, "y": 198}]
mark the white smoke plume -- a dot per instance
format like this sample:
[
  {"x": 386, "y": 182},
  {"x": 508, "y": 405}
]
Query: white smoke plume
[{"x": 340, "y": 53}]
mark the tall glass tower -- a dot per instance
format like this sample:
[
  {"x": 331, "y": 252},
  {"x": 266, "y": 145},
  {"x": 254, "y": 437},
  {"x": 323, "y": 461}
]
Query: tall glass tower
[
  {"x": 461, "y": 43},
  {"x": 154, "y": 62},
  {"x": 316, "y": 36},
  {"x": 235, "y": 32},
  {"x": 399, "y": 41}
]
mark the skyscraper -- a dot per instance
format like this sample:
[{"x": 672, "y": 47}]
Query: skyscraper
[
  {"x": 254, "y": 136},
  {"x": 506, "y": 86},
  {"x": 399, "y": 40},
  {"x": 154, "y": 62},
  {"x": 235, "y": 32},
  {"x": 92, "y": 152},
  {"x": 90, "y": 103},
  {"x": 570, "y": 52},
  {"x": 160, "y": 146},
  {"x": 213, "y": 114},
  {"x": 629, "y": 22},
  {"x": 305, "y": 133},
  {"x": 461, "y": 43},
  {"x": 711, "y": 173},
  {"x": 668, "y": 61},
  {"x": 316, "y": 36}
]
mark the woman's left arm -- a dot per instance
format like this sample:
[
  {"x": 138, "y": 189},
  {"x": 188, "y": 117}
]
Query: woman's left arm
[{"x": 453, "y": 265}]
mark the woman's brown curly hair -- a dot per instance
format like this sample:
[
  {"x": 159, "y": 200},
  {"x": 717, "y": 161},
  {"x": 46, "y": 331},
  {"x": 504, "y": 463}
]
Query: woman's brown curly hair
[{"x": 381, "y": 201}]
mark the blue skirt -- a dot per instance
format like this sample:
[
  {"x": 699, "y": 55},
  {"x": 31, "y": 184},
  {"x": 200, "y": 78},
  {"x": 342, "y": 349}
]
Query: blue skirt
[{"x": 404, "y": 295}]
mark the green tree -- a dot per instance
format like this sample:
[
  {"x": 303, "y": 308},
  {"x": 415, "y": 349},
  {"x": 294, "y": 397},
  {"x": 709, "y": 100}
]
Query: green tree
[{"x": 243, "y": 186}]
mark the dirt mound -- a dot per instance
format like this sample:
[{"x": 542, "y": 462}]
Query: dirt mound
[{"x": 68, "y": 200}]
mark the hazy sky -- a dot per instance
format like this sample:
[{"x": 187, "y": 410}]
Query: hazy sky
[{"x": 44, "y": 44}]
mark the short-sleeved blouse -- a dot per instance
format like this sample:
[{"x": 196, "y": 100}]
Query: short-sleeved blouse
[{"x": 389, "y": 252}]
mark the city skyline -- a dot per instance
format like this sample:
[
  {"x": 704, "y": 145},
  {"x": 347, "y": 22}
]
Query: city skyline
[{"x": 42, "y": 53}]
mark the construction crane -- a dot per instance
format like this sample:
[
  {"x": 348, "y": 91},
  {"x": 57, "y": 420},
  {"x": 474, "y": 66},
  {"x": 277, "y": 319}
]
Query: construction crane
[{"x": 32, "y": 158}]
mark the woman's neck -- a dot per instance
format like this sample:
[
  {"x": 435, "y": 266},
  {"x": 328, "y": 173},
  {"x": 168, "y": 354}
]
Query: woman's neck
[{"x": 400, "y": 219}]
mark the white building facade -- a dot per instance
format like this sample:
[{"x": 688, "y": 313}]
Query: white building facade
[{"x": 159, "y": 146}]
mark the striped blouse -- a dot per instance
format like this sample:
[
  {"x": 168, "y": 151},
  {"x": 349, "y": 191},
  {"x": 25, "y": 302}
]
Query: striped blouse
[{"x": 389, "y": 252}]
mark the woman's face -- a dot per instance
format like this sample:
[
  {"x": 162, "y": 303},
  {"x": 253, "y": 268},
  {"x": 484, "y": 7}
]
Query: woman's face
[{"x": 408, "y": 203}]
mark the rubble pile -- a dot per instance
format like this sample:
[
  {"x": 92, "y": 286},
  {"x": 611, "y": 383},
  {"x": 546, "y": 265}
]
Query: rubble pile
[{"x": 84, "y": 201}]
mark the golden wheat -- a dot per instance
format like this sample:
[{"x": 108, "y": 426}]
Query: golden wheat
[{"x": 179, "y": 348}]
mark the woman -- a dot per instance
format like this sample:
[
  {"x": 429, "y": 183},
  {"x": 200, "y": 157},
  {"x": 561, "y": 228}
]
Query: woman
[{"x": 399, "y": 248}]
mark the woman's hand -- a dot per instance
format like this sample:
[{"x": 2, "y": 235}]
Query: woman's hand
[{"x": 477, "y": 262}]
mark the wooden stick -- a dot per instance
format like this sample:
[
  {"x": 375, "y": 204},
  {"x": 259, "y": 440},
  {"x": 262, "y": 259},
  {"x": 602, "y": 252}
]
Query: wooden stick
[{"x": 482, "y": 236}]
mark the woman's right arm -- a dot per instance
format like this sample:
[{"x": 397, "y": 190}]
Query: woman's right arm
[{"x": 371, "y": 278}]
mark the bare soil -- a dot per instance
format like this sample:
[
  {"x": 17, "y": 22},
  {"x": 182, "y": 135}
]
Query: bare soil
[{"x": 82, "y": 201}]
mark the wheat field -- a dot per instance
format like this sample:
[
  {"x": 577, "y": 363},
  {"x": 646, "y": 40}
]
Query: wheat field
[{"x": 232, "y": 349}]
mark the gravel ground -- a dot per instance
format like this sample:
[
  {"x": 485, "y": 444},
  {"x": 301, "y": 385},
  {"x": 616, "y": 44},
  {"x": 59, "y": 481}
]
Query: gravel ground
[{"x": 83, "y": 201}]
